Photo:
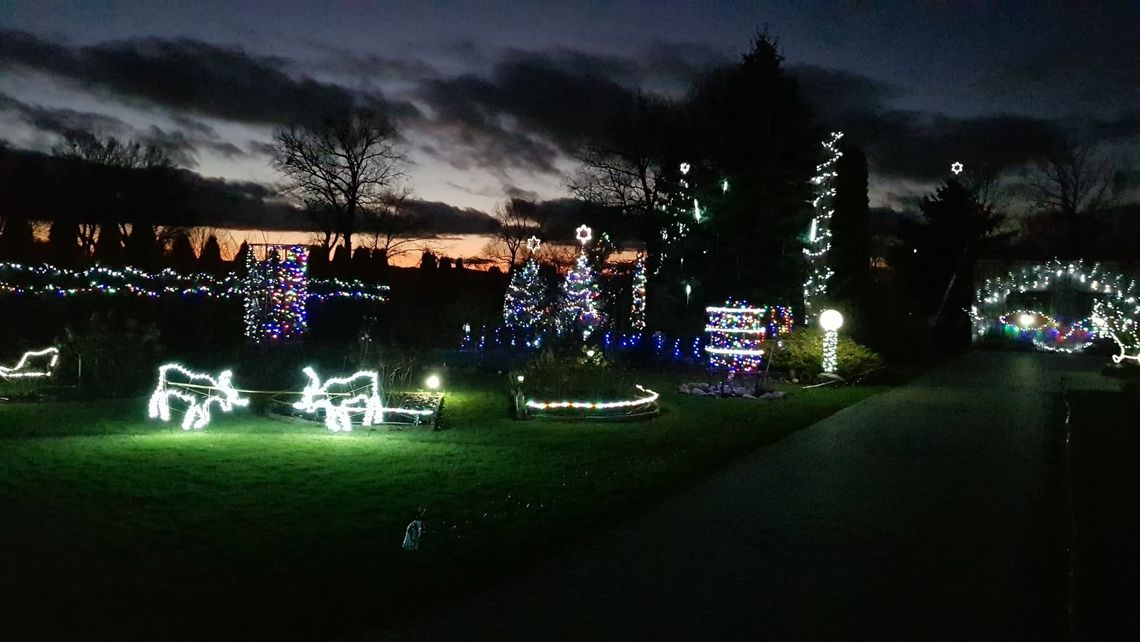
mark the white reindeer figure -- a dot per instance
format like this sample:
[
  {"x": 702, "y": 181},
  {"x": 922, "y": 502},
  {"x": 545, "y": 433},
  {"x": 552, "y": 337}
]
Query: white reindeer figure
[
  {"x": 199, "y": 391},
  {"x": 342, "y": 397},
  {"x": 34, "y": 364}
]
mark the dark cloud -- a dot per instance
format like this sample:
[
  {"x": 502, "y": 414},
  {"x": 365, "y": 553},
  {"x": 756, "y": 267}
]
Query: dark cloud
[
  {"x": 61, "y": 120},
  {"x": 369, "y": 67},
  {"x": 187, "y": 75},
  {"x": 434, "y": 217},
  {"x": 531, "y": 108}
]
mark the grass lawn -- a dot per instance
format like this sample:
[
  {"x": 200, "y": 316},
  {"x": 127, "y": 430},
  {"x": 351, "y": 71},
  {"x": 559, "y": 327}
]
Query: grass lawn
[
  {"x": 1106, "y": 449},
  {"x": 112, "y": 524}
]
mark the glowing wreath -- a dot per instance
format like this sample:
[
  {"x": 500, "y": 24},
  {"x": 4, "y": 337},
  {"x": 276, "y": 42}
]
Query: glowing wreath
[
  {"x": 35, "y": 364},
  {"x": 198, "y": 391},
  {"x": 342, "y": 397}
]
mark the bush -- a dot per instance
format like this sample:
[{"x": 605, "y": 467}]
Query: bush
[
  {"x": 803, "y": 352},
  {"x": 118, "y": 357},
  {"x": 580, "y": 373}
]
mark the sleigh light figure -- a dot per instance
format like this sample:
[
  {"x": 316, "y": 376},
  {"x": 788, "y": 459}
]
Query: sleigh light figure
[
  {"x": 342, "y": 398},
  {"x": 36, "y": 364},
  {"x": 198, "y": 391}
]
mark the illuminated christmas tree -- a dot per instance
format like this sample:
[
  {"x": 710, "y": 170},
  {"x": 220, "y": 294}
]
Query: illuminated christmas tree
[
  {"x": 819, "y": 234},
  {"x": 684, "y": 214},
  {"x": 580, "y": 292},
  {"x": 526, "y": 297},
  {"x": 637, "y": 308}
]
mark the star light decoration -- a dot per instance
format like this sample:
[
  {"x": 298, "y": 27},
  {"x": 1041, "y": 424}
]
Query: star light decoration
[
  {"x": 1117, "y": 295},
  {"x": 819, "y": 232},
  {"x": 533, "y": 243},
  {"x": 197, "y": 390},
  {"x": 34, "y": 364},
  {"x": 957, "y": 168},
  {"x": 584, "y": 234}
]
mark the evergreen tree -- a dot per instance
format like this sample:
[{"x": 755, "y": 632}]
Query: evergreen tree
[
  {"x": 525, "y": 300},
  {"x": 240, "y": 259},
  {"x": 940, "y": 253},
  {"x": 210, "y": 258},
  {"x": 141, "y": 248},
  {"x": 182, "y": 254},
  {"x": 63, "y": 243},
  {"x": 109, "y": 245},
  {"x": 819, "y": 231},
  {"x": 851, "y": 236},
  {"x": 580, "y": 295},
  {"x": 637, "y": 307},
  {"x": 17, "y": 240}
]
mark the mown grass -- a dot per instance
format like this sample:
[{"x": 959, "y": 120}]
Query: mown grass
[{"x": 114, "y": 525}]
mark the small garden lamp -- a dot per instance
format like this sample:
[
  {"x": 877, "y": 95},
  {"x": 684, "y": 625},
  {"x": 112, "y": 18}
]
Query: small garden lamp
[
  {"x": 432, "y": 382},
  {"x": 830, "y": 320}
]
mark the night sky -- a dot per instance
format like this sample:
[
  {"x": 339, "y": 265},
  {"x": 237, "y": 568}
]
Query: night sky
[{"x": 490, "y": 96}]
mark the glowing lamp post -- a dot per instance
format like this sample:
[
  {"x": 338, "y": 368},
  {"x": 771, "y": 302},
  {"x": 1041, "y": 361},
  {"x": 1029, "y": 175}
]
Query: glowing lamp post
[
  {"x": 830, "y": 321},
  {"x": 432, "y": 382}
]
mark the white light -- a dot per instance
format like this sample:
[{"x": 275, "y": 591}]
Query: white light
[
  {"x": 596, "y": 405},
  {"x": 1025, "y": 319},
  {"x": 520, "y": 378},
  {"x": 584, "y": 234},
  {"x": 199, "y": 391},
  {"x": 957, "y": 168},
  {"x": 533, "y": 243},
  {"x": 342, "y": 397},
  {"x": 734, "y": 351},
  {"x": 830, "y": 320},
  {"x": 432, "y": 382},
  {"x": 590, "y": 353},
  {"x": 40, "y": 368},
  {"x": 688, "y": 289}
]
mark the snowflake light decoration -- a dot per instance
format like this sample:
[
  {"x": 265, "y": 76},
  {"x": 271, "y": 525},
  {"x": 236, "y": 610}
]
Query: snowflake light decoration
[
  {"x": 584, "y": 234},
  {"x": 957, "y": 167}
]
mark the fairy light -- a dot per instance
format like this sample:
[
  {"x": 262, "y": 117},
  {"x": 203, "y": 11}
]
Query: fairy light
[
  {"x": 199, "y": 392},
  {"x": 991, "y": 302},
  {"x": 830, "y": 321},
  {"x": 1047, "y": 333},
  {"x": 580, "y": 291},
  {"x": 649, "y": 398},
  {"x": 640, "y": 284},
  {"x": 819, "y": 232},
  {"x": 47, "y": 280},
  {"x": 737, "y": 332},
  {"x": 32, "y": 366},
  {"x": 1121, "y": 327},
  {"x": 524, "y": 301},
  {"x": 340, "y": 398},
  {"x": 276, "y": 292}
]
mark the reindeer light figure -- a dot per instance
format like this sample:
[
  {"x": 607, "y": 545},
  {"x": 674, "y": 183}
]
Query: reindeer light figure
[
  {"x": 35, "y": 364},
  {"x": 199, "y": 391},
  {"x": 342, "y": 397},
  {"x": 1123, "y": 329}
]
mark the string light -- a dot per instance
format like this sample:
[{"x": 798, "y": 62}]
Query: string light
[
  {"x": 525, "y": 301},
  {"x": 1045, "y": 332},
  {"x": 48, "y": 280},
  {"x": 649, "y": 398},
  {"x": 830, "y": 321},
  {"x": 1122, "y": 328},
  {"x": 276, "y": 288},
  {"x": 1112, "y": 291},
  {"x": 199, "y": 391},
  {"x": 737, "y": 333},
  {"x": 342, "y": 397},
  {"x": 819, "y": 233},
  {"x": 38, "y": 369},
  {"x": 580, "y": 292},
  {"x": 640, "y": 283}
]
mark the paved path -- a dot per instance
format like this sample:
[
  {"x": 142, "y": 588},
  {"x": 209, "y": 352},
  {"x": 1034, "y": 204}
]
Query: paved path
[{"x": 922, "y": 513}]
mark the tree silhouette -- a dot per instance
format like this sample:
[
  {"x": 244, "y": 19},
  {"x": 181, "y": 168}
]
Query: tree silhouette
[
  {"x": 939, "y": 255},
  {"x": 850, "y": 256},
  {"x": 210, "y": 257},
  {"x": 339, "y": 165}
]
